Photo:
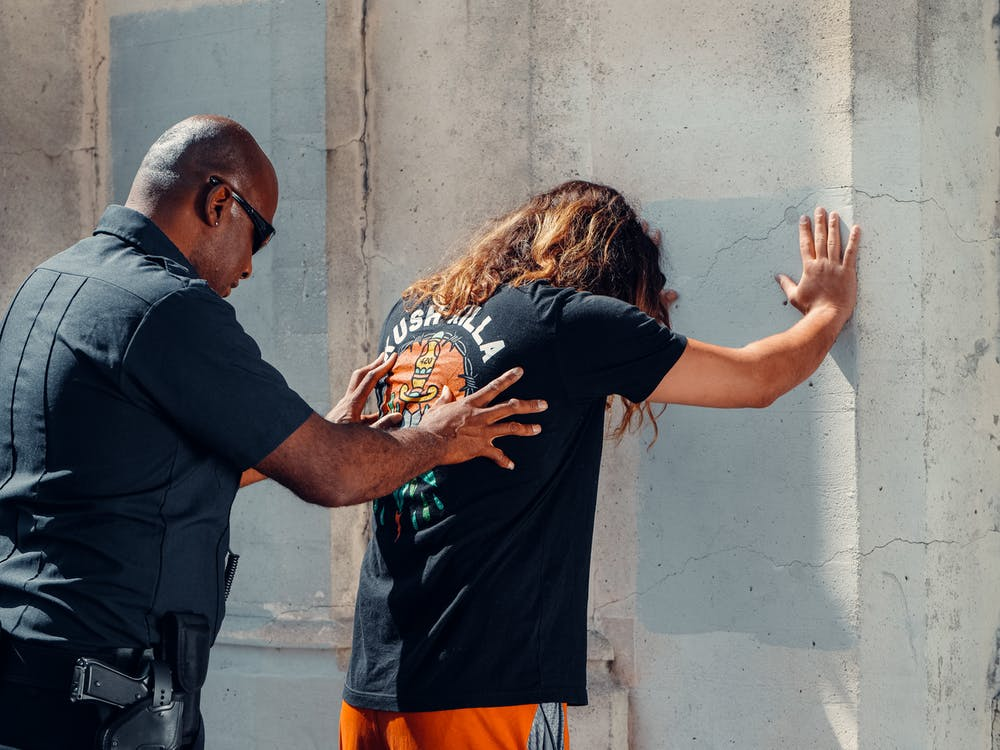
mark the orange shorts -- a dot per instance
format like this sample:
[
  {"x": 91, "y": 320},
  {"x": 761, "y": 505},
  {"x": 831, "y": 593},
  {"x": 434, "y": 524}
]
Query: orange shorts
[{"x": 537, "y": 726}]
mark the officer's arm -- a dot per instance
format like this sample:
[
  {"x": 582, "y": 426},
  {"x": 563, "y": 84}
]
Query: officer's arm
[
  {"x": 344, "y": 464},
  {"x": 758, "y": 373},
  {"x": 350, "y": 408}
]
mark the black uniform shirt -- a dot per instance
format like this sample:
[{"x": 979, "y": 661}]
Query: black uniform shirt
[{"x": 130, "y": 401}]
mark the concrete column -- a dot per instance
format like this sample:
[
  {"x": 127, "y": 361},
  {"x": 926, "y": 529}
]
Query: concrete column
[
  {"x": 348, "y": 250},
  {"x": 53, "y": 133},
  {"x": 926, "y": 111}
]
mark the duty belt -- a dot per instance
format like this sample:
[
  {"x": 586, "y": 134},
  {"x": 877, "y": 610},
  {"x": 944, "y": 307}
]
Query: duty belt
[
  {"x": 53, "y": 668},
  {"x": 156, "y": 708}
]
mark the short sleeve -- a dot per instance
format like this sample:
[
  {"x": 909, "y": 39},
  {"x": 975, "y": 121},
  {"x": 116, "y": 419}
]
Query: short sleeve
[
  {"x": 607, "y": 346},
  {"x": 192, "y": 359}
]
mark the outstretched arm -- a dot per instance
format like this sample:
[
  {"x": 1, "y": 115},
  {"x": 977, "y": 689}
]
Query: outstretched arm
[
  {"x": 758, "y": 373},
  {"x": 345, "y": 464}
]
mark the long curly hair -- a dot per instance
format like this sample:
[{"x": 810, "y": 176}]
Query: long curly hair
[{"x": 580, "y": 235}]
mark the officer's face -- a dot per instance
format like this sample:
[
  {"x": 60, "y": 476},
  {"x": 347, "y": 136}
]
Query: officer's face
[{"x": 245, "y": 229}]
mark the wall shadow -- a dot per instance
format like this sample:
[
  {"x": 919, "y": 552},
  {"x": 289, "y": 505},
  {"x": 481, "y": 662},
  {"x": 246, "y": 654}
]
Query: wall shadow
[{"x": 747, "y": 519}]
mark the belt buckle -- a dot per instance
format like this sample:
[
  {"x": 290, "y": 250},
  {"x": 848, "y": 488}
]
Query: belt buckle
[{"x": 95, "y": 681}]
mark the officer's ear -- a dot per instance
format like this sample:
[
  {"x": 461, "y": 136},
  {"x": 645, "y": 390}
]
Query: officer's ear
[{"x": 215, "y": 200}]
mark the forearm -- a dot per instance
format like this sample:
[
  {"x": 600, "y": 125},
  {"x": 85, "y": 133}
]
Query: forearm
[
  {"x": 780, "y": 362},
  {"x": 379, "y": 461},
  {"x": 753, "y": 375},
  {"x": 346, "y": 464}
]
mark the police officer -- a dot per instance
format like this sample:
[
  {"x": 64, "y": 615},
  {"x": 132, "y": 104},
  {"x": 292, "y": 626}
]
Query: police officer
[{"x": 132, "y": 404}]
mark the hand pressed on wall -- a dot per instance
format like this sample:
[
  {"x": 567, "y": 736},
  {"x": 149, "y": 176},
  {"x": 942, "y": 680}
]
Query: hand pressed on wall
[{"x": 829, "y": 274}]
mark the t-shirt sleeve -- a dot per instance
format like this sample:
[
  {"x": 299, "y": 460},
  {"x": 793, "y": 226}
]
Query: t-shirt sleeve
[
  {"x": 608, "y": 346},
  {"x": 191, "y": 358}
]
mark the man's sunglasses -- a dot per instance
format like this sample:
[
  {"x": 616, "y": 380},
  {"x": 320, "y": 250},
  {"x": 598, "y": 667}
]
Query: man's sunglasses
[{"x": 262, "y": 229}]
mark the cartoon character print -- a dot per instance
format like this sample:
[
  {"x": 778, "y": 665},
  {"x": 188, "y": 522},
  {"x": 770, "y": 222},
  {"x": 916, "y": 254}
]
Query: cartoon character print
[{"x": 423, "y": 368}]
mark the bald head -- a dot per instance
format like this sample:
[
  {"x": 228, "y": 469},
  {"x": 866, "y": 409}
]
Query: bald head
[
  {"x": 191, "y": 151},
  {"x": 191, "y": 184}
]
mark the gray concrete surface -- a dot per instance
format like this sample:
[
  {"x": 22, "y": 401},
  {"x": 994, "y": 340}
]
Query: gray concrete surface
[
  {"x": 821, "y": 574},
  {"x": 53, "y": 135}
]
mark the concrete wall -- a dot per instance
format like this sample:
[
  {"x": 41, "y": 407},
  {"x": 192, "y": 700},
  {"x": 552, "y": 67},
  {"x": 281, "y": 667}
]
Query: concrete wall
[
  {"x": 925, "y": 175},
  {"x": 53, "y": 131},
  {"x": 262, "y": 63},
  {"x": 819, "y": 574},
  {"x": 725, "y": 584}
]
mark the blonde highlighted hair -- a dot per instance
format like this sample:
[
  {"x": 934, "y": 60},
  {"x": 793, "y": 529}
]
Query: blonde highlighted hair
[{"x": 579, "y": 235}]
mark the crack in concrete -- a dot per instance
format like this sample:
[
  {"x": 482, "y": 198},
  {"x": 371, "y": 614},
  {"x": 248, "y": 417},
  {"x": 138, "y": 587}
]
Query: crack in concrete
[
  {"x": 922, "y": 201},
  {"x": 767, "y": 234},
  {"x": 908, "y": 616},
  {"x": 893, "y": 198},
  {"x": 852, "y": 551},
  {"x": 345, "y": 144},
  {"x": 902, "y": 540},
  {"x": 720, "y": 252},
  {"x": 749, "y": 238},
  {"x": 365, "y": 177}
]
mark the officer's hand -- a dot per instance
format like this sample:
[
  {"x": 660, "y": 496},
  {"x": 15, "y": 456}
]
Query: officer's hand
[
  {"x": 469, "y": 425},
  {"x": 363, "y": 380}
]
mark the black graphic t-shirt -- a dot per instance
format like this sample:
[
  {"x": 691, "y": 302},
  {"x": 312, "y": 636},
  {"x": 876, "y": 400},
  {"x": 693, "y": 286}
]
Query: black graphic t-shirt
[{"x": 473, "y": 590}]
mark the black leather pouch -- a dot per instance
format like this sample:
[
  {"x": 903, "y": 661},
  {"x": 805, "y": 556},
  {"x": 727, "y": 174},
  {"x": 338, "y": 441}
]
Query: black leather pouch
[{"x": 186, "y": 643}]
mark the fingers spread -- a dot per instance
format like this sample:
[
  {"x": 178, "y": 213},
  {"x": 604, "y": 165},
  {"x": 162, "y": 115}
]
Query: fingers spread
[
  {"x": 806, "y": 239},
  {"x": 853, "y": 240},
  {"x": 492, "y": 389},
  {"x": 820, "y": 229},
  {"x": 499, "y": 458},
  {"x": 375, "y": 374},
  {"x": 508, "y": 429},
  {"x": 833, "y": 237},
  {"x": 787, "y": 285},
  {"x": 379, "y": 366},
  {"x": 495, "y": 413},
  {"x": 519, "y": 429}
]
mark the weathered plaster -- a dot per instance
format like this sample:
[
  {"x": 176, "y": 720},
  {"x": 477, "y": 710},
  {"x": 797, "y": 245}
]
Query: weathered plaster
[
  {"x": 263, "y": 64},
  {"x": 820, "y": 574},
  {"x": 926, "y": 110},
  {"x": 348, "y": 252},
  {"x": 52, "y": 135}
]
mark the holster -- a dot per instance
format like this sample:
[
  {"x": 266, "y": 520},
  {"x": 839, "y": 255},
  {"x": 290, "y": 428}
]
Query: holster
[
  {"x": 153, "y": 723},
  {"x": 169, "y": 717}
]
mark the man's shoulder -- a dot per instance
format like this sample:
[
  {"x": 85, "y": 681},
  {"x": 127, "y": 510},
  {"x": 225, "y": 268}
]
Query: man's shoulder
[{"x": 122, "y": 275}]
